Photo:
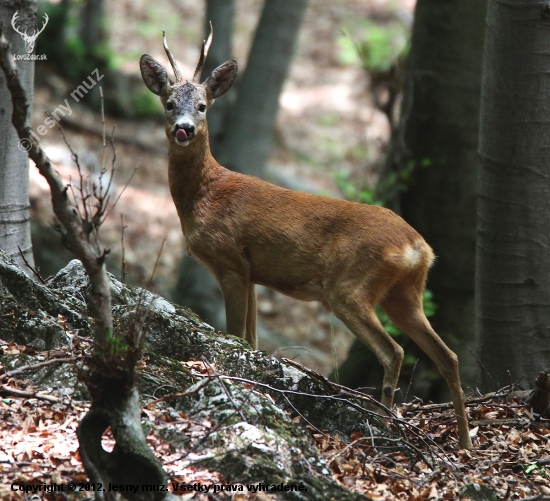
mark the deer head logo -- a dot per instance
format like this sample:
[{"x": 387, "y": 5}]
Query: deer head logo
[{"x": 29, "y": 39}]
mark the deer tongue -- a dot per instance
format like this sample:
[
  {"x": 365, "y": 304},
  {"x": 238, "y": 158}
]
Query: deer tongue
[{"x": 181, "y": 135}]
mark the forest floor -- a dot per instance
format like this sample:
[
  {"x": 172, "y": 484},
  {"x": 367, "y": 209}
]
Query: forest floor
[
  {"x": 510, "y": 459},
  {"x": 328, "y": 125}
]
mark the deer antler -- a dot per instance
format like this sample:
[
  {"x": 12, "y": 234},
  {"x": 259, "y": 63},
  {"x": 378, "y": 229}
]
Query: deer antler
[
  {"x": 204, "y": 53},
  {"x": 46, "y": 19},
  {"x": 15, "y": 16},
  {"x": 177, "y": 72},
  {"x": 35, "y": 33}
]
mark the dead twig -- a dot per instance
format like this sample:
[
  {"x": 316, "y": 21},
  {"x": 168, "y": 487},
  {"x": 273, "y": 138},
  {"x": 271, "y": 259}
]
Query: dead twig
[
  {"x": 174, "y": 396},
  {"x": 28, "y": 265},
  {"x": 122, "y": 258},
  {"x": 302, "y": 416},
  {"x": 38, "y": 365},
  {"x": 314, "y": 375},
  {"x": 79, "y": 124},
  {"x": 470, "y": 402},
  {"x": 481, "y": 365},
  {"x": 509, "y": 422},
  {"x": 356, "y": 442},
  {"x": 225, "y": 390},
  {"x": 406, "y": 397},
  {"x": 399, "y": 422},
  {"x": 27, "y": 394}
]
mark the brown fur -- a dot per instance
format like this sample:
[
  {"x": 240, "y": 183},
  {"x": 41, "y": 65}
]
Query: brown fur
[{"x": 346, "y": 255}]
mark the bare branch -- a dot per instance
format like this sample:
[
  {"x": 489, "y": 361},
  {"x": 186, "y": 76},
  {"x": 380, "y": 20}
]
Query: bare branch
[
  {"x": 26, "y": 394},
  {"x": 77, "y": 237},
  {"x": 38, "y": 365},
  {"x": 122, "y": 191},
  {"x": 123, "y": 261},
  {"x": 28, "y": 265}
]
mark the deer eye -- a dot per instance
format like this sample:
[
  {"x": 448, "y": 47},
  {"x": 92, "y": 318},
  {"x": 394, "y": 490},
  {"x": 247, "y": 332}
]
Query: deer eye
[
  {"x": 169, "y": 106},
  {"x": 202, "y": 108}
]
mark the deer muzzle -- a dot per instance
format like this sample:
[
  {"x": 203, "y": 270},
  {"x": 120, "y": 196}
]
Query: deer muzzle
[{"x": 184, "y": 132}]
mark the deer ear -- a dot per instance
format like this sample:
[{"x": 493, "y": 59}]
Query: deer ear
[
  {"x": 154, "y": 75},
  {"x": 221, "y": 80}
]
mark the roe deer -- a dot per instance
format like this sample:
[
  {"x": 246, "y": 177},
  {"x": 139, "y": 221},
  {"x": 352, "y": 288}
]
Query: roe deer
[{"x": 348, "y": 256}]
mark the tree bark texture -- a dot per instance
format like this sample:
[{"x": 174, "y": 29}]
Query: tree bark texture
[
  {"x": 438, "y": 126},
  {"x": 221, "y": 14},
  {"x": 513, "y": 245},
  {"x": 14, "y": 163},
  {"x": 131, "y": 462},
  {"x": 249, "y": 131},
  {"x": 441, "y": 127}
]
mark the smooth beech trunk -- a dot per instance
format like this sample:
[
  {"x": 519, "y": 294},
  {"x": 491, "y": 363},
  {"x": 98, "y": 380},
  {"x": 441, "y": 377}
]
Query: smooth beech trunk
[
  {"x": 221, "y": 14},
  {"x": 249, "y": 132},
  {"x": 14, "y": 163},
  {"x": 513, "y": 246},
  {"x": 441, "y": 132}
]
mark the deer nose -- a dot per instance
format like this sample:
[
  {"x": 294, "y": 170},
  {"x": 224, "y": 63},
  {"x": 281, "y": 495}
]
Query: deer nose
[{"x": 187, "y": 131}]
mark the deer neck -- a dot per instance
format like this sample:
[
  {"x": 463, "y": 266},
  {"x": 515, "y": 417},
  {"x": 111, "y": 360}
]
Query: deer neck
[{"x": 191, "y": 171}]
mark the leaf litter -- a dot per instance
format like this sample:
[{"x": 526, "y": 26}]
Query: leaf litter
[{"x": 510, "y": 459}]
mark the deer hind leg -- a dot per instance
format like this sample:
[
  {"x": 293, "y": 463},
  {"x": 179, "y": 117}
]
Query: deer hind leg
[
  {"x": 235, "y": 289},
  {"x": 403, "y": 304},
  {"x": 251, "y": 317},
  {"x": 360, "y": 318}
]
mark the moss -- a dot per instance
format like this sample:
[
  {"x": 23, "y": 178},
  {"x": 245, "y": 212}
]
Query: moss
[
  {"x": 163, "y": 376},
  {"x": 253, "y": 438}
]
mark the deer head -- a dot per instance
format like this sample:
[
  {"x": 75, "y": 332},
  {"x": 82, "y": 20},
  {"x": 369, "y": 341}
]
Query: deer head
[
  {"x": 29, "y": 39},
  {"x": 186, "y": 102}
]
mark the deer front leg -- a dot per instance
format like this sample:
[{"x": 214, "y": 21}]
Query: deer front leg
[
  {"x": 251, "y": 317},
  {"x": 235, "y": 294}
]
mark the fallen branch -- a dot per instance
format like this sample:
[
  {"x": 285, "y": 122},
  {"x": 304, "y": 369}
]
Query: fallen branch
[
  {"x": 398, "y": 422},
  {"x": 469, "y": 402},
  {"x": 38, "y": 365},
  {"x": 26, "y": 394},
  {"x": 510, "y": 422},
  {"x": 174, "y": 396}
]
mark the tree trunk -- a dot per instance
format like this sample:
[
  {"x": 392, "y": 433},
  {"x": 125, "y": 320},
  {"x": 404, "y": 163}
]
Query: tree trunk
[
  {"x": 241, "y": 132},
  {"x": 438, "y": 126},
  {"x": 220, "y": 13},
  {"x": 131, "y": 462},
  {"x": 513, "y": 260},
  {"x": 249, "y": 131},
  {"x": 14, "y": 163},
  {"x": 441, "y": 133}
]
